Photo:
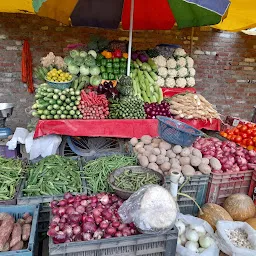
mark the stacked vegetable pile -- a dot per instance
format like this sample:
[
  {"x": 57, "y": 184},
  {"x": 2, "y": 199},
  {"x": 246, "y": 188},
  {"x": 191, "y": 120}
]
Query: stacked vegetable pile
[
  {"x": 55, "y": 75},
  {"x": 176, "y": 71},
  {"x": 81, "y": 63},
  {"x": 93, "y": 106},
  {"x": 83, "y": 218},
  {"x": 232, "y": 158},
  {"x": 56, "y": 104},
  {"x": 10, "y": 176},
  {"x": 243, "y": 134},
  {"x": 108, "y": 89},
  {"x": 191, "y": 106},
  {"x": 154, "y": 109},
  {"x": 163, "y": 157},
  {"x": 14, "y": 235},
  {"x": 53, "y": 175}
]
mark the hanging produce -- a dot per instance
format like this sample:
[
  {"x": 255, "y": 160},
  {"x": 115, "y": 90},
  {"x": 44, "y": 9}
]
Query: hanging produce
[{"x": 175, "y": 71}]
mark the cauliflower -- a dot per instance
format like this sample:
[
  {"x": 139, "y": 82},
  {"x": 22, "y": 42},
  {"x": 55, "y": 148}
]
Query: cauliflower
[
  {"x": 181, "y": 82},
  {"x": 160, "y": 61},
  {"x": 191, "y": 71},
  {"x": 172, "y": 72},
  {"x": 182, "y": 72},
  {"x": 190, "y": 62},
  {"x": 179, "y": 52},
  {"x": 171, "y": 63},
  {"x": 59, "y": 62},
  {"x": 191, "y": 81},
  {"x": 48, "y": 60},
  {"x": 160, "y": 81},
  {"x": 181, "y": 62},
  {"x": 170, "y": 82},
  {"x": 162, "y": 72}
]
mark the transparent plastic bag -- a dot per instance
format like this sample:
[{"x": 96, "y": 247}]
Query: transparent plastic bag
[
  {"x": 152, "y": 209},
  {"x": 227, "y": 246},
  {"x": 213, "y": 250},
  {"x": 19, "y": 135}
]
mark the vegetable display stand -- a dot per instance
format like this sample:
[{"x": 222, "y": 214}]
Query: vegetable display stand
[
  {"x": 119, "y": 128},
  {"x": 154, "y": 245},
  {"x": 222, "y": 185},
  {"x": 252, "y": 190},
  {"x": 169, "y": 92},
  {"x": 195, "y": 187},
  {"x": 17, "y": 212}
]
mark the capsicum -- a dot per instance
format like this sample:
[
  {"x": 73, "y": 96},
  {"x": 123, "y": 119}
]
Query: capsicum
[
  {"x": 103, "y": 62},
  {"x": 122, "y": 71},
  {"x": 123, "y": 65},
  {"x": 116, "y": 71},
  {"x": 109, "y": 69},
  {"x": 105, "y": 76},
  {"x": 111, "y": 76},
  {"x": 116, "y": 65},
  {"x": 109, "y": 65},
  {"x": 102, "y": 69},
  {"x": 117, "y": 53}
]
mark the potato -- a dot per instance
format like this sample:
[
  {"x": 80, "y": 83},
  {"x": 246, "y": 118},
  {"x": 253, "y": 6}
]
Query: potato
[
  {"x": 143, "y": 161},
  {"x": 156, "y": 151},
  {"x": 176, "y": 167},
  {"x": 139, "y": 145},
  {"x": 178, "y": 157},
  {"x": 154, "y": 145},
  {"x": 188, "y": 170},
  {"x": 184, "y": 160},
  {"x": 160, "y": 159},
  {"x": 141, "y": 150},
  {"x": 198, "y": 173},
  {"x": 205, "y": 161},
  {"x": 215, "y": 164},
  {"x": 156, "y": 140},
  {"x": 139, "y": 156},
  {"x": 148, "y": 147},
  {"x": 196, "y": 152},
  {"x": 167, "y": 159},
  {"x": 152, "y": 158},
  {"x": 147, "y": 153},
  {"x": 170, "y": 154},
  {"x": 162, "y": 151},
  {"x": 185, "y": 152},
  {"x": 195, "y": 160},
  {"x": 146, "y": 139},
  {"x": 134, "y": 141},
  {"x": 177, "y": 149},
  {"x": 153, "y": 166},
  {"x": 204, "y": 168},
  {"x": 165, "y": 166},
  {"x": 174, "y": 161},
  {"x": 165, "y": 145}
]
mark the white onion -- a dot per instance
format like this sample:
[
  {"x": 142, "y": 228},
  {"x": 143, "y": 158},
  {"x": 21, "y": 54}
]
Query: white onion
[
  {"x": 192, "y": 235},
  {"x": 199, "y": 229},
  {"x": 192, "y": 246},
  {"x": 181, "y": 227},
  {"x": 205, "y": 241}
]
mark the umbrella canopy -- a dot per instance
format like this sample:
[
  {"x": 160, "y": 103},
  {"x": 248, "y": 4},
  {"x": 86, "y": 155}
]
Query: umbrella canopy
[{"x": 148, "y": 14}]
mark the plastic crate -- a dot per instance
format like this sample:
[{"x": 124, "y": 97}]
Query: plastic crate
[
  {"x": 252, "y": 189},
  {"x": 14, "y": 200},
  {"x": 150, "y": 245},
  {"x": 5, "y": 152},
  {"x": 195, "y": 187},
  {"x": 176, "y": 132},
  {"x": 17, "y": 212},
  {"x": 222, "y": 185},
  {"x": 44, "y": 218}
]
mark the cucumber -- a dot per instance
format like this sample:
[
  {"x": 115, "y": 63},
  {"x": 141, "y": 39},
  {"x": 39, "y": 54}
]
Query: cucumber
[{"x": 145, "y": 97}]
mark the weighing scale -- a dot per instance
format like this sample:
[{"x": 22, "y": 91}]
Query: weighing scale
[{"x": 5, "y": 112}]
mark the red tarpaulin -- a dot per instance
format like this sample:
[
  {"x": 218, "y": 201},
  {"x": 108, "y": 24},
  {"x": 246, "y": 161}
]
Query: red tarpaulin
[
  {"x": 169, "y": 92},
  {"x": 111, "y": 128}
]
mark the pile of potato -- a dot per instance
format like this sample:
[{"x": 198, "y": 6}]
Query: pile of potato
[{"x": 158, "y": 155}]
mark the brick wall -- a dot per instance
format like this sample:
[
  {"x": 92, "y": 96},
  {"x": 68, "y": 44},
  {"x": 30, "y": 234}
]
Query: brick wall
[{"x": 224, "y": 61}]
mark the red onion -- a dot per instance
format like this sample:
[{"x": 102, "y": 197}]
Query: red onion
[
  {"x": 115, "y": 224},
  {"x": 93, "y": 205},
  {"x": 89, "y": 227},
  {"x": 126, "y": 231},
  {"x": 98, "y": 234},
  {"x": 55, "y": 211},
  {"x": 62, "y": 211},
  {"x": 83, "y": 197},
  {"x": 89, "y": 219},
  {"x": 70, "y": 210},
  {"x": 110, "y": 230},
  {"x": 71, "y": 200},
  {"x": 68, "y": 230},
  {"x": 77, "y": 230},
  {"x": 104, "y": 224},
  {"x": 63, "y": 202},
  {"x": 77, "y": 238},
  {"x": 68, "y": 195},
  {"x": 107, "y": 235},
  {"x": 122, "y": 226},
  {"x": 76, "y": 204},
  {"x": 62, "y": 226},
  {"x": 107, "y": 215},
  {"x": 80, "y": 209},
  {"x": 56, "y": 219},
  {"x": 52, "y": 232},
  {"x": 98, "y": 220},
  {"x": 84, "y": 203},
  {"x": 63, "y": 220},
  {"x": 54, "y": 204},
  {"x": 96, "y": 212},
  {"x": 118, "y": 234},
  {"x": 94, "y": 199},
  {"x": 60, "y": 237},
  {"x": 104, "y": 200},
  {"x": 75, "y": 218},
  {"x": 86, "y": 236}
]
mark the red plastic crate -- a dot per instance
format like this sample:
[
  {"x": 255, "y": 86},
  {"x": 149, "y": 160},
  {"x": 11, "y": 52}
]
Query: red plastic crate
[
  {"x": 222, "y": 185},
  {"x": 252, "y": 190}
]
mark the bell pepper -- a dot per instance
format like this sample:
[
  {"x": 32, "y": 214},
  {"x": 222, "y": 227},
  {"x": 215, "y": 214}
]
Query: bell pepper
[
  {"x": 116, "y": 71},
  {"x": 103, "y": 62},
  {"x": 116, "y": 60},
  {"x": 109, "y": 65},
  {"x": 98, "y": 63},
  {"x": 123, "y": 65},
  {"x": 125, "y": 55},
  {"x": 105, "y": 76},
  {"x": 99, "y": 57},
  {"x": 108, "y": 55},
  {"x": 122, "y": 71},
  {"x": 102, "y": 69},
  {"x": 109, "y": 61},
  {"x": 117, "y": 77},
  {"x": 117, "y": 53},
  {"x": 109, "y": 69},
  {"x": 123, "y": 59},
  {"x": 111, "y": 76},
  {"x": 104, "y": 53},
  {"x": 116, "y": 65}
]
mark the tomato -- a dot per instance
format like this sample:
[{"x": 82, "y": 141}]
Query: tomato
[
  {"x": 244, "y": 136},
  {"x": 253, "y": 133},
  {"x": 249, "y": 131},
  {"x": 239, "y": 126},
  {"x": 249, "y": 125},
  {"x": 224, "y": 134},
  {"x": 250, "y": 143},
  {"x": 236, "y": 131},
  {"x": 254, "y": 139},
  {"x": 238, "y": 139},
  {"x": 243, "y": 128},
  {"x": 250, "y": 147},
  {"x": 228, "y": 131},
  {"x": 229, "y": 137}
]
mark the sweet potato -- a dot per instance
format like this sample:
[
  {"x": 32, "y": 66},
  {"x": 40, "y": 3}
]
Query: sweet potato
[
  {"x": 21, "y": 221},
  {"x": 6, "y": 247},
  {"x": 16, "y": 234},
  {"x": 5, "y": 228},
  {"x": 17, "y": 246},
  {"x": 26, "y": 229}
]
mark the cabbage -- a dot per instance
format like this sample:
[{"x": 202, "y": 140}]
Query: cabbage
[
  {"x": 74, "y": 53},
  {"x": 84, "y": 70},
  {"x": 73, "y": 69},
  {"x": 93, "y": 53},
  {"x": 82, "y": 54},
  {"x": 94, "y": 71},
  {"x": 89, "y": 61},
  {"x": 78, "y": 61},
  {"x": 95, "y": 80},
  {"x": 68, "y": 60}
]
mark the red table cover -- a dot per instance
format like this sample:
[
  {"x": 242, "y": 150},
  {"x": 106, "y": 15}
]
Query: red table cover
[
  {"x": 111, "y": 128},
  {"x": 169, "y": 92}
]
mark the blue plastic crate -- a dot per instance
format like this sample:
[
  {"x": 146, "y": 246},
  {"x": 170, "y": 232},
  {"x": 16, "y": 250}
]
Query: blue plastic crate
[
  {"x": 176, "y": 132},
  {"x": 17, "y": 212}
]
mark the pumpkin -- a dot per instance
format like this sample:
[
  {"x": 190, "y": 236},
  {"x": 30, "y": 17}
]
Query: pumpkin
[
  {"x": 252, "y": 222},
  {"x": 240, "y": 207},
  {"x": 212, "y": 213}
]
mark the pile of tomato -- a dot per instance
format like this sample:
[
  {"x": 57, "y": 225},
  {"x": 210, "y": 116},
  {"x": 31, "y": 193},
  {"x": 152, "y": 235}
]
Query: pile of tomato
[{"x": 243, "y": 134}]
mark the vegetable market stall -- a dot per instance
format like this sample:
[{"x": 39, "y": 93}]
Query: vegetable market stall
[{"x": 112, "y": 128}]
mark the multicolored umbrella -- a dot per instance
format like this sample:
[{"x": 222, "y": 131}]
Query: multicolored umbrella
[{"x": 148, "y": 14}]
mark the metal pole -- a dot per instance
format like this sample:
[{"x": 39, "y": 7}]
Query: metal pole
[{"x": 130, "y": 38}]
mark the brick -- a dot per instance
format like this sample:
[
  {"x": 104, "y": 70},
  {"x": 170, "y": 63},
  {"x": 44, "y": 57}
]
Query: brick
[
  {"x": 199, "y": 52},
  {"x": 11, "y": 48},
  {"x": 44, "y": 28},
  {"x": 249, "y": 60},
  {"x": 2, "y": 37},
  {"x": 248, "y": 68}
]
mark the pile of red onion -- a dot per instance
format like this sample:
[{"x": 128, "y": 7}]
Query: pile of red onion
[
  {"x": 155, "y": 109},
  {"x": 233, "y": 158},
  {"x": 84, "y": 218}
]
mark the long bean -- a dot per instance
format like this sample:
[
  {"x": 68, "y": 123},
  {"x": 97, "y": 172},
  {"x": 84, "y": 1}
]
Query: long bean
[
  {"x": 97, "y": 171},
  {"x": 53, "y": 175}
]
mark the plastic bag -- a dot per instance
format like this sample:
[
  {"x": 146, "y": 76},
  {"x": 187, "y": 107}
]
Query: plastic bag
[
  {"x": 213, "y": 250},
  {"x": 19, "y": 135},
  {"x": 227, "y": 246},
  {"x": 29, "y": 141},
  {"x": 152, "y": 209}
]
